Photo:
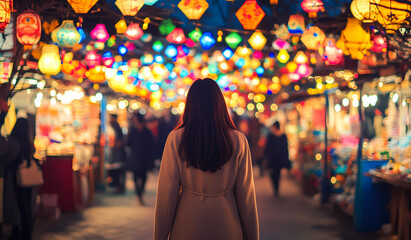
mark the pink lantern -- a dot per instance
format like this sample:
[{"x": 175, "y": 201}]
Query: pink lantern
[
  {"x": 176, "y": 36},
  {"x": 304, "y": 70},
  {"x": 28, "y": 29},
  {"x": 379, "y": 44},
  {"x": 332, "y": 54},
  {"x": 280, "y": 44},
  {"x": 312, "y": 7},
  {"x": 100, "y": 33},
  {"x": 258, "y": 54},
  {"x": 93, "y": 59},
  {"x": 134, "y": 32}
]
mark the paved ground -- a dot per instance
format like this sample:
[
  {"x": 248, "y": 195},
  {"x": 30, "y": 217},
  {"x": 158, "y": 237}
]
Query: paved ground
[{"x": 291, "y": 216}]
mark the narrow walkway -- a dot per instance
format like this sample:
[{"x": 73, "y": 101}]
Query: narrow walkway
[{"x": 290, "y": 216}]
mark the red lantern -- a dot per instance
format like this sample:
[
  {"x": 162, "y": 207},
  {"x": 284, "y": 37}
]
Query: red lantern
[
  {"x": 93, "y": 59},
  {"x": 176, "y": 36},
  {"x": 100, "y": 33},
  {"x": 379, "y": 44},
  {"x": 5, "y": 10},
  {"x": 312, "y": 7},
  {"x": 250, "y": 14},
  {"x": 28, "y": 29},
  {"x": 134, "y": 32}
]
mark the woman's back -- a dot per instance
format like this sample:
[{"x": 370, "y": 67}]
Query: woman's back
[{"x": 207, "y": 205}]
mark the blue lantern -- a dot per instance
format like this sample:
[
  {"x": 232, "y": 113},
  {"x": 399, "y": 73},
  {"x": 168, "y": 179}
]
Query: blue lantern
[
  {"x": 122, "y": 50},
  {"x": 207, "y": 40},
  {"x": 82, "y": 34},
  {"x": 169, "y": 66},
  {"x": 228, "y": 53},
  {"x": 240, "y": 63},
  {"x": 158, "y": 59},
  {"x": 171, "y": 51},
  {"x": 260, "y": 71}
]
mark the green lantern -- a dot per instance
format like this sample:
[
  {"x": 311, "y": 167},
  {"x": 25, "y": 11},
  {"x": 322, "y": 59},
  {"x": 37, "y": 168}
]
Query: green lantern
[
  {"x": 233, "y": 39},
  {"x": 166, "y": 27},
  {"x": 195, "y": 34}
]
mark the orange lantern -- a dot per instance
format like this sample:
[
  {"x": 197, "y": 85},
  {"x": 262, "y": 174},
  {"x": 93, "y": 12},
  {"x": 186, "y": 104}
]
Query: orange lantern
[
  {"x": 96, "y": 74},
  {"x": 250, "y": 14},
  {"x": 5, "y": 10},
  {"x": 393, "y": 14},
  {"x": 129, "y": 7},
  {"x": 28, "y": 29},
  {"x": 82, "y": 6},
  {"x": 313, "y": 38},
  {"x": 121, "y": 26},
  {"x": 193, "y": 9}
]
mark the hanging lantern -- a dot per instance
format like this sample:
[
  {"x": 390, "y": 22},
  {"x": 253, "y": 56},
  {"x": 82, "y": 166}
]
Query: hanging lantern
[
  {"x": 108, "y": 59},
  {"x": 100, "y": 33},
  {"x": 233, "y": 39},
  {"x": 257, "y": 41},
  {"x": 5, "y": 10},
  {"x": 28, "y": 29},
  {"x": 82, "y": 34},
  {"x": 96, "y": 74},
  {"x": 283, "y": 56},
  {"x": 332, "y": 54},
  {"x": 393, "y": 14},
  {"x": 282, "y": 32},
  {"x": 312, "y": 7},
  {"x": 195, "y": 35},
  {"x": 243, "y": 51},
  {"x": 66, "y": 35},
  {"x": 122, "y": 50},
  {"x": 150, "y": 2},
  {"x": 166, "y": 27},
  {"x": 273, "y": 2},
  {"x": 365, "y": 10},
  {"x": 82, "y": 6},
  {"x": 301, "y": 58},
  {"x": 296, "y": 25},
  {"x": 176, "y": 36},
  {"x": 228, "y": 53},
  {"x": 171, "y": 51},
  {"x": 356, "y": 44},
  {"x": 250, "y": 14},
  {"x": 79, "y": 69},
  {"x": 93, "y": 59},
  {"x": 313, "y": 38},
  {"x": 118, "y": 82},
  {"x": 50, "y": 62},
  {"x": 379, "y": 44},
  {"x": 158, "y": 46},
  {"x": 193, "y": 9},
  {"x": 182, "y": 51},
  {"x": 279, "y": 44},
  {"x": 129, "y": 7},
  {"x": 207, "y": 40},
  {"x": 134, "y": 32},
  {"x": 121, "y": 26}
]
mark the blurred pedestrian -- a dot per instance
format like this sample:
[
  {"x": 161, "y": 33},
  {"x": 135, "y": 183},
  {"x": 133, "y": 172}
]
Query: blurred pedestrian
[
  {"x": 141, "y": 143},
  {"x": 206, "y": 186},
  {"x": 117, "y": 156},
  {"x": 276, "y": 154}
]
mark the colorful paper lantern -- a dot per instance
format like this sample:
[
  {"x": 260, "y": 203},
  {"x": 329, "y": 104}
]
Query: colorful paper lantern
[
  {"x": 257, "y": 41},
  {"x": 228, "y": 53},
  {"x": 176, "y": 36},
  {"x": 129, "y": 7},
  {"x": 171, "y": 51},
  {"x": 312, "y": 7},
  {"x": 313, "y": 38},
  {"x": 100, "y": 33},
  {"x": 121, "y": 26},
  {"x": 122, "y": 50},
  {"x": 207, "y": 40},
  {"x": 379, "y": 44},
  {"x": 96, "y": 74},
  {"x": 166, "y": 27},
  {"x": 193, "y": 9},
  {"x": 5, "y": 11},
  {"x": 82, "y": 6},
  {"x": 134, "y": 32},
  {"x": 66, "y": 35},
  {"x": 182, "y": 51},
  {"x": 93, "y": 59},
  {"x": 250, "y": 14},
  {"x": 332, "y": 55},
  {"x": 301, "y": 58},
  {"x": 365, "y": 10},
  {"x": 393, "y": 14},
  {"x": 82, "y": 34},
  {"x": 118, "y": 82},
  {"x": 233, "y": 39},
  {"x": 279, "y": 44},
  {"x": 28, "y": 29},
  {"x": 150, "y": 2},
  {"x": 158, "y": 46},
  {"x": 195, "y": 34},
  {"x": 243, "y": 51},
  {"x": 108, "y": 59},
  {"x": 282, "y": 32},
  {"x": 296, "y": 25},
  {"x": 50, "y": 62},
  {"x": 356, "y": 44},
  {"x": 283, "y": 56}
]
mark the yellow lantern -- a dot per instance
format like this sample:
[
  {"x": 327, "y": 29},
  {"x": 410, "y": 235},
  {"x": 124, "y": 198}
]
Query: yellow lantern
[
  {"x": 129, "y": 7},
  {"x": 193, "y": 9},
  {"x": 49, "y": 62},
  {"x": 365, "y": 10},
  {"x": 313, "y": 38},
  {"x": 275, "y": 87},
  {"x": 82, "y": 6},
  {"x": 356, "y": 44},
  {"x": 257, "y": 40},
  {"x": 393, "y": 14},
  {"x": 118, "y": 82},
  {"x": 5, "y": 12},
  {"x": 283, "y": 56},
  {"x": 285, "y": 80},
  {"x": 300, "y": 58},
  {"x": 243, "y": 51},
  {"x": 130, "y": 89},
  {"x": 121, "y": 26},
  {"x": 96, "y": 74},
  {"x": 291, "y": 66}
]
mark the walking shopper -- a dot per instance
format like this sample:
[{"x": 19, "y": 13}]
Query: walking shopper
[
  {"x": 276, "y": 153},
  {"x": 141, "y": 143},
  {"x": 117, "y": 156},
  {"x": 206, "y": 186}
]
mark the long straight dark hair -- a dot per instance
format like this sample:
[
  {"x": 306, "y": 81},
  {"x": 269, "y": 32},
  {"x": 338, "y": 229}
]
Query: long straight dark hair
[{"x": 205, "y": 143}]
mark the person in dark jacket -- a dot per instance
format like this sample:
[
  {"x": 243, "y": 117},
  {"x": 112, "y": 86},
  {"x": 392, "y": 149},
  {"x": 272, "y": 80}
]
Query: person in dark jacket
[
  {"x": 276, "y": 153},
  {"x": 117, "y": 156},
  {"x": 141, "y": 143}
]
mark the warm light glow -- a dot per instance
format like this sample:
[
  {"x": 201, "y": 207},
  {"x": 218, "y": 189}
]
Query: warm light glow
[
  {"x": 318, "y": 156},
  {"x": 50, "y": 62},
  {"x": 28, "y": 28},
  {"x": 176, "y": 36},
  {"x": 313, "y": 38},
  {"x": 300, "y": 58},
  {"x": 365, "y": 10},
  {"x": 257, "y": 41},
  {"x": 134, "y": 32},
  {"x": 356, "y": 44},
  {"x": 82, "y": 6},
  {"x": 283, "y": 56},
  {"x": 129, "y": 7},
  {"x": 121, "y": 26},
  {"x": 100, "y": 33},
  {"x": 66, "y": 35},
  {"x": 193, "y": 9},
  {"x": 250, "y": 14}
]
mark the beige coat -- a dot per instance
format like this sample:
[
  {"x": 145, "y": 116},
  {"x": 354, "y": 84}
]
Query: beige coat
[{"x": 218, "y": 205}]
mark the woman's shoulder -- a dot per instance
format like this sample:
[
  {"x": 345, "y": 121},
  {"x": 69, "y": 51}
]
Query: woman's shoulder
[{"x": 237, "y": 135}]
